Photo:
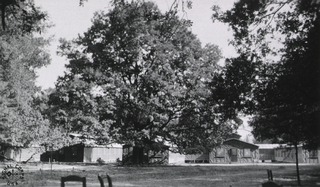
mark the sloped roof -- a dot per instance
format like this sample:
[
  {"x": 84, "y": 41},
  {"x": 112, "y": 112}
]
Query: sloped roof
[
  {"x": 240, "y": 144},
  {"x": 113, "y": 145},
  {"x": 286, "y": 146},
  {"x": 276, "y": 146},
  {"x": 269, "y": 146}
]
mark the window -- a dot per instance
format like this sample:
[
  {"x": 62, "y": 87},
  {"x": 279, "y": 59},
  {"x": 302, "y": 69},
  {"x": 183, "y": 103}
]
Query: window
[
  {"x": 284, "y": 153},
  {"x": 313, "y": 153},
  {"x": 233, "y": 152},
  {"x": 220, "y": 152},
  {"x": 246, "y": 153}
]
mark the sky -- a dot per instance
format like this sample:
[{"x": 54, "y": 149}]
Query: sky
[{"x": 70, "y": 20}]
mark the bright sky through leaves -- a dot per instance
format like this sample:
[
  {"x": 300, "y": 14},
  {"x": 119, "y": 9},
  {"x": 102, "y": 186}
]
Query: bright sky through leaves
[{"x": 70, "y": 19}]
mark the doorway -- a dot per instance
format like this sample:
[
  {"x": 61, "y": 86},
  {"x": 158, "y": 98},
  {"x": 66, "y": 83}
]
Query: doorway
[{"x": 233, "y": 153}]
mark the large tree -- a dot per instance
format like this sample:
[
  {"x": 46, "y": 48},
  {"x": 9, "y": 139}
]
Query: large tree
[
  {"x": 139, "y": 76},
  {"x": 281, "y": 41}
]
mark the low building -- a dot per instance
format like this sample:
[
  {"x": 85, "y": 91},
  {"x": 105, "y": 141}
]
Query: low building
[
  {"x": 156, "y": 153},
  {"x": 20, "y": 154},
  {"x": 197, "y": 158},
  {"x": 286, "y": 153},
  {"x": 231, "y": 151},
  {"x": 196, "y": 155},
  {"x": 143, "y": 155},
  {"x": 91, "y": 153},
  {"x": 234, "y": 151},
  {"x": 267, "y": 152},
  {"x": 176, "y": 158},
  {"x": 109, "y": 153}
]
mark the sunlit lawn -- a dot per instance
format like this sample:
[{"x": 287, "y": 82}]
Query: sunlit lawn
[{"x": 178, "y": 175}]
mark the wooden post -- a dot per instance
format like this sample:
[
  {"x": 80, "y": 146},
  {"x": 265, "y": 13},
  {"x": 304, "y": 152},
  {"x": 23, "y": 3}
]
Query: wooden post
[
  {"x": 297, "y": 164},
  {"x": 51, "y": 148},
  {"x": 270, "y": 176}
]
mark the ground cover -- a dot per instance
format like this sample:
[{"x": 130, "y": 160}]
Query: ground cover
[{"x": 195, "y": 175}]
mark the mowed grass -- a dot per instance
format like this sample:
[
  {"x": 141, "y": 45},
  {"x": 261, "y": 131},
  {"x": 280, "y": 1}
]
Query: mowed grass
[{"x": 184, "y": 176}]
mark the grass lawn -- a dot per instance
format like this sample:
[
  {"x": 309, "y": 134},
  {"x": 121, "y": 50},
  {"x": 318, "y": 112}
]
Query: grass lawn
[{"x": 197, "y": 176}]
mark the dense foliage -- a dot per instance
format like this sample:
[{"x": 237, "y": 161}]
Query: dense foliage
[
  {"x": 280, "y": 42},
  {"x": 21, "y": 16},
  {"x": 22, "y": 52},
  {"x": 139, "y": 76}
]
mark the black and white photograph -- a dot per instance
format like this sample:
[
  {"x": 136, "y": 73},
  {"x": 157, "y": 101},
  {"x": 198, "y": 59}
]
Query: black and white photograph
[{"x": 159, "y": 93}]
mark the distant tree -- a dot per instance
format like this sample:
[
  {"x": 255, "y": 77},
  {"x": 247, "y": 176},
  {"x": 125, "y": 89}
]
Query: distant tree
[
  {"x": 140, "y": 76},
  {"x": 281, "y": 41}
]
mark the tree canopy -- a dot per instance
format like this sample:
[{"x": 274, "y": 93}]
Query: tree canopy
[
  {"x": 21, "y": 16},
  {"x": 140, "y": 76},
  {"x": 22, "y": 52},
  {"x": 280, "y": 39}
]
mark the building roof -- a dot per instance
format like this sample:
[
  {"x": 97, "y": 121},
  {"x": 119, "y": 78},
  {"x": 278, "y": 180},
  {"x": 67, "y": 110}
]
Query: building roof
[
  {"x": 113, "y": 145},
  {"x": 286, "y": 146},
  {"x": 240, "y": 144},
  {"x": 275, "y": 146},
  {"x": 268, "y": 146}
]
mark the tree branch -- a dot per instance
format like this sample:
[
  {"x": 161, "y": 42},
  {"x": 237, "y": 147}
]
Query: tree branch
[{"x": 272, "y": 13}]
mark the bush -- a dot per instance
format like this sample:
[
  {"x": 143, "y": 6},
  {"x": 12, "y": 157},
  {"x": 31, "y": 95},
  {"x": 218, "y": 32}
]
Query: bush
[{"x": 100, "y": 161}]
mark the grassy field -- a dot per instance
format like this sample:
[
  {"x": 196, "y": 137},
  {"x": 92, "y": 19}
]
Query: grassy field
[{"x": 183, "y": 176}]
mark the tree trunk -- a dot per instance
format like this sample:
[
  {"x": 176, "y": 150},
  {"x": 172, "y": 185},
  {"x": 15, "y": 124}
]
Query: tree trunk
[
  {"x": 297, "y": 164},
  {"x": 138, "y": 155}
]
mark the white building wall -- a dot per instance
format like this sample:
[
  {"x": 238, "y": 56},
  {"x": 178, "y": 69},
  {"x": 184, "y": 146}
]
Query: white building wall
[
  {"x": 107, "y": 154},
  {"x": 23, "y": 154},
  {"x": 176, "y": 158}
]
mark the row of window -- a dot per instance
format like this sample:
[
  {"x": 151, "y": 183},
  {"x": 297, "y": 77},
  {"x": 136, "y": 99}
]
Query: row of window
[
  {"x": 291, "y": 153},
  {"x": 313, "y": 154},
  {"x": 284, "y": 153},
  {"x": 220, "y": 152}
]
